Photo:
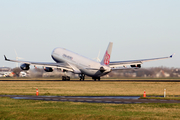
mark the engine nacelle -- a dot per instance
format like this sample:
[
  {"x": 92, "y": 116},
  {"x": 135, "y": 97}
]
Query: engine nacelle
[
  {"x": 102, "y": 69},
  {"x": 48, "y": 69},
  {"x": 25, "y": 66},
  {"x": 136, "y": 66},
  {"x": 63, "y": 70}
]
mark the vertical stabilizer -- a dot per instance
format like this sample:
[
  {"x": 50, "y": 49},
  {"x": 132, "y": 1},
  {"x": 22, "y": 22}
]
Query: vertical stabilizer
[{"x": 107, "y": 55}]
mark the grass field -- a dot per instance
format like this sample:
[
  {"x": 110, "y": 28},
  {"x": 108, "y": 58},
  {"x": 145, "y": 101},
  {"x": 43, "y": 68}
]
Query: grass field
[
  {"x": 89, "y": 88},
  {"x": 47, "y": 110}
]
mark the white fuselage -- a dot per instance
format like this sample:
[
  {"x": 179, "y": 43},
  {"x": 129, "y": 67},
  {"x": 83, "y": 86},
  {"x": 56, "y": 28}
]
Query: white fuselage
[{"x": 80, "y": 64}]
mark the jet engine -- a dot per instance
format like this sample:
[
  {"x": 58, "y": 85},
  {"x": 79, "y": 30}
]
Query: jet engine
[
  {"x": 48, "y": 69},
  {"x": 136, "y": 66},
  {"x": 102, "y": 69},
  {"x": 25, "y": 66}
]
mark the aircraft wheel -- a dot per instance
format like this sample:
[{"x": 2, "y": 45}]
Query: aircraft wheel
[
  {"x": 81, "y": 76},
  {"x": 67, "y": 78},
  {"x": 63, "y": 78}
]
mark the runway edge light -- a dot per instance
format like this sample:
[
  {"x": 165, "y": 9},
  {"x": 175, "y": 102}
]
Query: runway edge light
[
  {"x": 37, "y": 92},
  {"x": 164, "y": 92},
  {"x": 144, "y": 95}
]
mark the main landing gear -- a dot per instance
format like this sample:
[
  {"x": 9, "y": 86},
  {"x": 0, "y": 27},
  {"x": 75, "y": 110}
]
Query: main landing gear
[
  {"x": 82, "y": 76},
  {"x": 65, "y": 78},
  {"x": 98, "y": 78}
]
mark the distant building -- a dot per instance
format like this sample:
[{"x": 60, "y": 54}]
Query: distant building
[
  {"x": 176, "y": 73},
  {"x": 161, "y": 73},
  {"x": 5, "y": 72}
]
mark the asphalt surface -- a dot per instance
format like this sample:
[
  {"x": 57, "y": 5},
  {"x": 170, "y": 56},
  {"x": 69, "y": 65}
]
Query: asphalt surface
[
  {"x": 113, "y": 80},
  {"x": 93, "y": 99}
]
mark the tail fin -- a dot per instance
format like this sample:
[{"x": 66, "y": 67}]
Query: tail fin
[{"x": 107, "y": 55}]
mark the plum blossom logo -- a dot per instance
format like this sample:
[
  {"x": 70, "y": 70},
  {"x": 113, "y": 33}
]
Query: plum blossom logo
[{"x": 107, "y": 58}]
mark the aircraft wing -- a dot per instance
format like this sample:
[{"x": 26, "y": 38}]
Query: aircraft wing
[
  {"x": 134, "y": 62},
  {"x": 44, "y": 64}
]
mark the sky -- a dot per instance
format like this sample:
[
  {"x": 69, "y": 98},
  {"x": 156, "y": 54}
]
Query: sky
[{"x": 139, "y": 29}]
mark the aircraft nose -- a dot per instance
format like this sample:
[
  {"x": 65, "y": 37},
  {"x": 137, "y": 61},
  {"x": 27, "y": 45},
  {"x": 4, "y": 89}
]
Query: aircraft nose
[
  {"x": 54, "y": 54},
  {"x": 54, "y": 51}
]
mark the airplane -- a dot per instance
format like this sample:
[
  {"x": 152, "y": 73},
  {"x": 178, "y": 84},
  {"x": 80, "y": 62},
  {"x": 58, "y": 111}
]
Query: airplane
[{"x": 69, "y": 61}]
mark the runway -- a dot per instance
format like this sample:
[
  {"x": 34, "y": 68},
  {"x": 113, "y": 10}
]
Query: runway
[
  {"x": 110, "y": 80},
  {"x": 93, "y": 99}
]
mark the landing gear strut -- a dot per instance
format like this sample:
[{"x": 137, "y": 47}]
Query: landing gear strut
[
  {"x": 94, "y": 78},
  {"x": 82, "y": 76}
]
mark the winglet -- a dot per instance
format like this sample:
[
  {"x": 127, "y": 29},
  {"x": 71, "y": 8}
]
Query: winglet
[
  {"x": 5, "y": 58},
  {"x": 172, "y": 55}
]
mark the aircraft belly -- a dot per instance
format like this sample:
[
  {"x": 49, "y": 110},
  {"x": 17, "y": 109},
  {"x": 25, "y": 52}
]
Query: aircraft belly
[{"x": 93, "y": 73}]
